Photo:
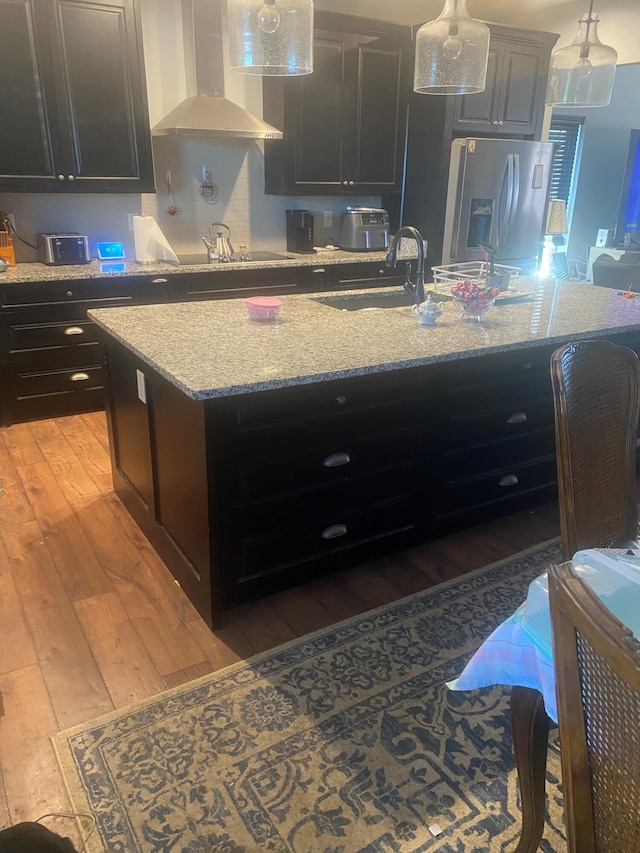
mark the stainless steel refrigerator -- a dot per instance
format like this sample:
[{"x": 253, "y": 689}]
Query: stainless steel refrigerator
[{"x": 497, "y": 194}]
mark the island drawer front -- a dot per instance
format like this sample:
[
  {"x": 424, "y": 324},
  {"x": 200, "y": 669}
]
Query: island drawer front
[
  {"x": 61, "y": 390},
  {"x": 474, "y": 460},
  {"x": 31, "y": 383},
  {"x": 295, "y": 462},
  {"x": 325, "y": 400},
  {"x": 518, "y": 417},
  {"x": 499, "y": 370},
  {"x": 100, "y": 293},
  {"x": 501, "y": 484},
  {"x": 33, "y": 336},
  {"x": 270, "y": 553}
]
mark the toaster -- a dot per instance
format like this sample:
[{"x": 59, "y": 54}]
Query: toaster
[
  {"x": 54, "y": 249},
  {"x": 364, "y": 229}
]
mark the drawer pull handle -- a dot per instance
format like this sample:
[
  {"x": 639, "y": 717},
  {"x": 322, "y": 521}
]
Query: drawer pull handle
[
  {"x": 336, "y": 460},
  {"x": 517, "y": 418},
  {"x": 509, "y": 480},
  {"x": 159, "y": 280},
  {"x": 334, "y": 531},
  {"x": 341, "y": 400},
  {"x": 74, "y": 330},
  {"x": 319, "y": 270},
  {"x": 79, "y": 377},
  {"x": 69, "y": 292}
]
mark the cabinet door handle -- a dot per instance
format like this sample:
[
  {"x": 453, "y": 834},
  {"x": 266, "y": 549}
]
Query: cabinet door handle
[
  {"x": 61, "y": 177},
  {"x": 69, "y": 292},
  {"x": 159, "y": 280},
  {"x": 500, "y": 123},
  {"x": 509, "y": 480},
  {"x": 350, "y": 183},
  {"x": 79, "y": 377},
  {"x": 74, "y": 330},
  {"x": 72, "y": 177},
  {"x": 517, "y": 418},
  {"x": 336, "y": 460},
  {"x": 334, "y": 531},
  {"x": 345, "y": 183},
  {"x": 319, "y": 270}
]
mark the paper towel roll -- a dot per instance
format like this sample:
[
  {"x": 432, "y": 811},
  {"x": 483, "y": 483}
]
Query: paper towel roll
[{"x": 150, "y": 243}]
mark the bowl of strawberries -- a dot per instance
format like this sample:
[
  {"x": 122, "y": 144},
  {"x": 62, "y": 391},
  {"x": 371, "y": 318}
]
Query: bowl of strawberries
[{"x": 474, "y": 299}]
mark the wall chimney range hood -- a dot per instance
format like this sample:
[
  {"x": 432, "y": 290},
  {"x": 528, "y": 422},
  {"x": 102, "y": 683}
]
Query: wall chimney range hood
[{"x": 208, "y": 113}]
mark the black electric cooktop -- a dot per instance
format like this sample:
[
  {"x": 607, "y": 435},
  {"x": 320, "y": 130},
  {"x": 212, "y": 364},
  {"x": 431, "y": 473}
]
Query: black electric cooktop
[{"x": 256, "y": 257}]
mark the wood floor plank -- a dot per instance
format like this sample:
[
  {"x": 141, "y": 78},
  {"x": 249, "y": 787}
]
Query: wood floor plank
[
  {"x": 32, "y": 780},
  {"x": 162, "y": 631},
  {"x": 14, "y": 506},
  {"x": 122, "y": 659},
  {"x": 21, "y": 445},
  {"x": 81, "y": 573},
  {"x": 72, "y": 475},
  {"x": 216, "y": 650},
  {"x": 69, "y": 669},
  {"x": 91, "y": 452},
  {"x": 184, "y": 676},
  {"x": 16, "y": 647},
  {"x": 97, "y": 423}
]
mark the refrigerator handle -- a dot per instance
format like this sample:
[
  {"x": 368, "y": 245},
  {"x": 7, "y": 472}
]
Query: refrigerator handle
[
  {"x": 503, "y": 203},
  {"x": 514, "y": 193}
]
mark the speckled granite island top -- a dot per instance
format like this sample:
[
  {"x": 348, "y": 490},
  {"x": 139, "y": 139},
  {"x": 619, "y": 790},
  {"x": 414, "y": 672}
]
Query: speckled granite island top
[
  {"x": 212, "y": 349},
  {"x": 30, "y": 272}
]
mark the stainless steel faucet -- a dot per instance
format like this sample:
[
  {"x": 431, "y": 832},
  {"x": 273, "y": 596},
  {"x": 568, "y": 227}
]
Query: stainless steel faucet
[{"x": 416, "y": 290}]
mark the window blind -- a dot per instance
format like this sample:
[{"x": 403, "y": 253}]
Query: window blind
[{"x": 566, "y": 132}]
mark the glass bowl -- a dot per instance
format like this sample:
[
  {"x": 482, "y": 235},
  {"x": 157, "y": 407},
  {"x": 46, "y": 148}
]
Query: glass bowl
[{"x": 473, "y": 299}]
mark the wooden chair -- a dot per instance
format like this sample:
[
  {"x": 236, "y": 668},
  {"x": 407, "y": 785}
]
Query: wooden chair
[
  {"x": 597, "y": 405},
  {"x": 597, "y": 663}
]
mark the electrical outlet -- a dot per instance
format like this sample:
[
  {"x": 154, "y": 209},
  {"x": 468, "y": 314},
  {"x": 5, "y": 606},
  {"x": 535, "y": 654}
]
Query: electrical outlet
[{"x": 328, "y": 218}]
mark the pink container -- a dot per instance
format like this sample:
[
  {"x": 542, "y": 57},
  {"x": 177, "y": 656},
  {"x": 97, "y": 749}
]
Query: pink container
[{"x": 263, "y": 307}]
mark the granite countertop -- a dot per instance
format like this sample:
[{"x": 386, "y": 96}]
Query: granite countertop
[
  {"x": 212, "y": 349},
  {"x": 32, "y": 272}
]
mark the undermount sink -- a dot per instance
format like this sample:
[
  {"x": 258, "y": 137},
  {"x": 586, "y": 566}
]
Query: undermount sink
[{"x": 359, "y": 302}]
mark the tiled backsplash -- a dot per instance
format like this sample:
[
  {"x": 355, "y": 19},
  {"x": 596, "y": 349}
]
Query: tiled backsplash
[{"x": 237, "y": 169}]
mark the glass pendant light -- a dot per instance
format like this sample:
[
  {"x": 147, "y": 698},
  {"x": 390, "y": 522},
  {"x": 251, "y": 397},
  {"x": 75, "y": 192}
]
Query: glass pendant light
[
  {"x": 581, "y": 74},
  {"x": 271, "y": 37},
  {"x": 451, "y": 53}
]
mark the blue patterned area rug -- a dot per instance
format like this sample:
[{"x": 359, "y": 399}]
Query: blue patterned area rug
[{"x": 345, "y": 741}]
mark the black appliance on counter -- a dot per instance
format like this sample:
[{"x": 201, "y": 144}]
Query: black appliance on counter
[{"x": 300, "y": 232}]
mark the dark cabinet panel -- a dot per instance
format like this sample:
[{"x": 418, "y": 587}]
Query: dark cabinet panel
[
  {"x": 77, "y": 79},
  {"x": 343, "y": 125},
  {"x": 513, "y": 100}
]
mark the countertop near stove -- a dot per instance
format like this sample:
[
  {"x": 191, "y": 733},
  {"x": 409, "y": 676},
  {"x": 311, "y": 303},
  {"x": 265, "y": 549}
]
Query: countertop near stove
[
  {"x": 212, "y": 349},
  {"x": 108, "y": 269}
]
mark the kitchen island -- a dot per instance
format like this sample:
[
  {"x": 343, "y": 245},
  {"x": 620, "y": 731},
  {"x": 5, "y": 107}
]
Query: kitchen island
[{"x": 257, "y": 455}]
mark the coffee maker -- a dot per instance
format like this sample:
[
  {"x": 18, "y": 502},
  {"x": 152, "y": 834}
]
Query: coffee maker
[{"x": 300, "y": 231}]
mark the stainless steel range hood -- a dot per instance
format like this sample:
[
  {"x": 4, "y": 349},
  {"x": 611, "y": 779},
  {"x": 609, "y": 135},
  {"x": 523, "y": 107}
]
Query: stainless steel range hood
[{"x": 206, "y": 112}]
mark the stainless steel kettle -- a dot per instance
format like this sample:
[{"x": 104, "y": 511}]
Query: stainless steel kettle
[{"x": 219, "y": 247}]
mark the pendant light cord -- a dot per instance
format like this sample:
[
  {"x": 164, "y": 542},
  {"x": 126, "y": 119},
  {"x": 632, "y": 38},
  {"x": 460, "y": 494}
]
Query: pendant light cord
[{"x": 586, "y": 44}]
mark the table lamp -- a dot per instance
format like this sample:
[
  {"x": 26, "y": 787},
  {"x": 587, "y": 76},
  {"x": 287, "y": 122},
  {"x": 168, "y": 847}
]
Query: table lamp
[{"x": 557, "y": 225}]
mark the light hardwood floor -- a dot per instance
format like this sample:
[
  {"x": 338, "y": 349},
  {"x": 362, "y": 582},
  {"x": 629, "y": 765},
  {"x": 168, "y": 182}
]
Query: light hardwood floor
[{"x": 91, "y": 620}]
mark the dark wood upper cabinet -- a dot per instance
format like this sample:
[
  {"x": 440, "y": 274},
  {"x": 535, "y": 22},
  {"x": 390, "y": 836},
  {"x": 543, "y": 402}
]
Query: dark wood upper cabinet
[
  {"x": 344, "y": 123},
  {"x": 513, "y": 100},
  {"x": 74, "y": 86}
]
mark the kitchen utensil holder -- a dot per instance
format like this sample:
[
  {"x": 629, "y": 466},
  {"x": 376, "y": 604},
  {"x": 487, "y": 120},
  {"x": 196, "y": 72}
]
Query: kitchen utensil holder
[{"x": 6, "y": 248}]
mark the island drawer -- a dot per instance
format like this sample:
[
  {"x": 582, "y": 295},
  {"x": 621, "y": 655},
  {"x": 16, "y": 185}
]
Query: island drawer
[
  {"x": 266, "y": 555},
  {"x": 476, "y": 424},
  {"x": 501, "y": 484},
  {"x": 305, "y": 404},
  {"x": 294, "y": 462},
  {"x": 498, "y": 370},
  {"x": 475, "y": 459}
]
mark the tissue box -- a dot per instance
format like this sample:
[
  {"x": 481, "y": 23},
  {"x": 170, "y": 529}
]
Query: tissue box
[{"x": 615, "y": 581}]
